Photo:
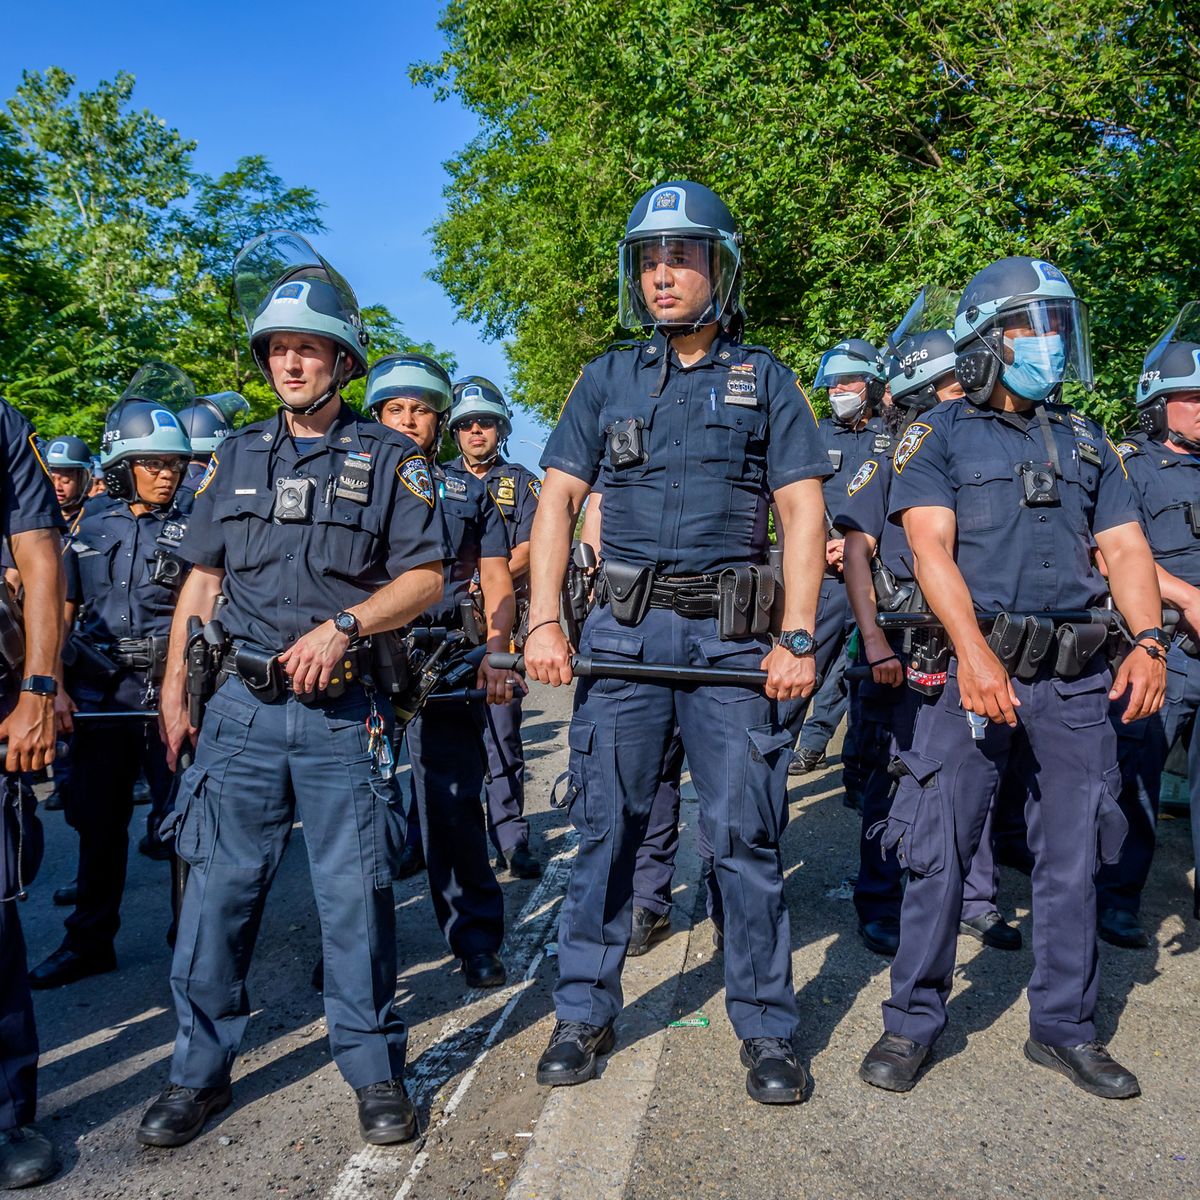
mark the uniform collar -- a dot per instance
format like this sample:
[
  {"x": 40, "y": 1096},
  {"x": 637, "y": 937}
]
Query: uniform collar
[
  {"x": 342, "y": 435},
  {"x": 724, "y": 350}
]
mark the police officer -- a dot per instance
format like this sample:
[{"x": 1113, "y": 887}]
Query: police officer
[
  {"x": 1000, "y": 496},
  {"x": 480, "y": 423},
  {"x": 1163, "y": 462},
  {"x": 207, "y": 421},
  {"x": 921, "y": 374},
  {"x": 691, "y": 432},
  {"x": 126, "y": 583},
  {"x": 854, "y": 374},
  {"x": 412, "y": 394},
  {"x": 319, "y": 528},
  {"x": 31, "y": 522}
]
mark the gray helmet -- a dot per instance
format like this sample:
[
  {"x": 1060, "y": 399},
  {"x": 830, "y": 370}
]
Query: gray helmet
[
  {"x": 68, "y": 454},
  {"x": 855, "y": 358},
  {"x": 665, "y": 216},
  {"x": 917, "y": 365},
  {"x": 207, "y": 420},
  {"x": 284, "y": 286},
  {"x": 137, "y": 429},
  {"x": 475, "y": 396},
  {"x": 1036, "y": 294},
  {"x": 1171, "y": 365},
  {"x": 409, "y": 375}
]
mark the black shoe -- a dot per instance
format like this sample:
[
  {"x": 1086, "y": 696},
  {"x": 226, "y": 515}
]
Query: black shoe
[
  {"x": 412, "y": 862},
  {"x": 67, "y": 897},
  {"x": 179, "y": 1114},
  {"x": 774, "y": 1074},
  {"x": 484, "y": 970},
  {"x": 1088, "y": 1066},
  {"x": 992, "y": 930},
  {"x": 66, "y": 966},
  {"x": 570, "y": 1056},
  {"x": 141, "y": 792},
  {"x": 151, "y": 847},
  {"x": 893, "y": 1062},
  {"x": 648, "y": 927},
  {"x": 385, "y": 1113},
  {"x": 522, "y": 864},
  {"x": 1120, "y": 927},
  {"x": 54, "y": 802},
  {"x": 882, "y": 936},
  {"x": 805, "y": 760},
  {"x": 26, "y": 1158}
]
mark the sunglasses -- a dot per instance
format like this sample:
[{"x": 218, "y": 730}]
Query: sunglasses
[{"x": 482, "y": 422}]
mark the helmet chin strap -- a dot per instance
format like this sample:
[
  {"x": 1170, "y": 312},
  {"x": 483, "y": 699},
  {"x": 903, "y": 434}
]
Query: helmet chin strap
[
  {"x": 322, "y": 400},
  {"x": 479, "y": 462},
  {"x": 1184, "y": 443}
]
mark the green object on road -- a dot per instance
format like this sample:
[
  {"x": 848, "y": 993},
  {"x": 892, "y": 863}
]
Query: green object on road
[{"x": 696, "y": 1020}]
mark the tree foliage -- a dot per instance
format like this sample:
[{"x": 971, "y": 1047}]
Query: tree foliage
[
  {"x": 114, "y": 250},
  {"x": 866, "y": 148}
]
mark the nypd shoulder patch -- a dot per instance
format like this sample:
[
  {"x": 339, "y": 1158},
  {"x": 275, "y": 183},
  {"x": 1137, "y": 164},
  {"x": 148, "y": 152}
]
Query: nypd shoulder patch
[
  {"x": 862, "y": 477},
  {"x": 910, "y": 443},
  {"x": 207, "y": 477},
  {"x": 414, "y": 474},
  {"x": 1128, "y": 449},
  {"x": 535, "y": 486}
]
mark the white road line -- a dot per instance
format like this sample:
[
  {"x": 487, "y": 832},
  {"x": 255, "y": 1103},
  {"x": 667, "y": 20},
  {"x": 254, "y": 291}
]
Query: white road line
[{"x": 522, "y": 953}]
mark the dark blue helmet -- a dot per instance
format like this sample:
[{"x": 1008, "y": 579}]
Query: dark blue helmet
[
  {"x": 68, "y": 454},
  {"x": 1171, "y": 365},
  {"x": 138, "y": 429},
  {"x": 918, "y": 365}
]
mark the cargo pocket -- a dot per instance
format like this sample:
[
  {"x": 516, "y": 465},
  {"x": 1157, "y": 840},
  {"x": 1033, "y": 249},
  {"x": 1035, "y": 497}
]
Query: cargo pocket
[
  {"x": 389, "y": 826},
  {"x": 614, "y": 645},
  {"x": 194, "y": 819},
  {"x": 227, "y": 722},
  {"x": 1111, "y": 825},
  {"x": 348, "y": 735},
  {"x": 916, "y": 826},
  {"x": 763, "y": 805},
  {"x": 1084, "y": 700},
  {"x": 585, "y": 798}
]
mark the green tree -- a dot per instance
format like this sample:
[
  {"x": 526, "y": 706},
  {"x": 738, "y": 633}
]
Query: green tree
[{"x": 865, "y": 149}]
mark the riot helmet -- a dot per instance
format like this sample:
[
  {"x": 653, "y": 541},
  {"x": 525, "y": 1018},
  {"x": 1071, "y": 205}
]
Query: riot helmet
[
  {"x": 682, "y": 224},
  {"x": 139, "y": 429},
  {"x": 1033, "y": 297},
  {"x": 208, "y": 420},
  {"x": 411, "y": 377},
  {"x": 71, "y": 457},
  {"x": 284, "y": 286},
  {"x": 917, "y": 365},
  {"x": 849, "y": 362},
  {"x": 1171, "y": 365},
  {"x": 476, "y": 397}
]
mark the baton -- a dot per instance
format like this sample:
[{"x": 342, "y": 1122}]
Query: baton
[
  {"x": 457, "y": 696},
  {"x": 587, "y": 667},
  {"x": 125, "y": 714}
]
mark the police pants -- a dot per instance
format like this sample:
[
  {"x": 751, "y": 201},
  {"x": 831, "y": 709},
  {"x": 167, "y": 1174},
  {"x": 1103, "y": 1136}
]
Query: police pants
[
  {"x": 655, "y": 870},
  {"x": 1179, "y": 721},
  {"x": 446, "y": 752},
  {"x": 737, "y": 747},
  {"x": 835, "y": 623},
  {"x": 18, "y": 1032},
  {"x": 504, "y": 784},
  {"x": 107, "y": 758},
  {"x": 1063, "y": 751},
  {"x": 258, "y": 768},
  {"x": 886, "y": 732}
]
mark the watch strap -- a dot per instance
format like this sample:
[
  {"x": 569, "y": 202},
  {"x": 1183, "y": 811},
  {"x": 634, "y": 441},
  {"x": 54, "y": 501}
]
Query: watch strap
[{"x": 40, "y": 685}]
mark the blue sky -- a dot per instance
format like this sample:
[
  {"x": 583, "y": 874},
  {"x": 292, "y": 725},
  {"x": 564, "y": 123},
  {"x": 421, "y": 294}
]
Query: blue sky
[{"x": 322, "y": 90}]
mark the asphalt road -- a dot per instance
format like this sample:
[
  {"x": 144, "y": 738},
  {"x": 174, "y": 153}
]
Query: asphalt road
[{"x": 669, "y": 1116}]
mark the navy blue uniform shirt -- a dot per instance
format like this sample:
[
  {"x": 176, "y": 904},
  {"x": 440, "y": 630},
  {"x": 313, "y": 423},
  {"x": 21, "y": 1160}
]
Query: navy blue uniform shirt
[
  {"x": 1015, "y": 556},
  {"x": 110, "y": 568},
  {"x": 864, "y": 506},
  {"x": 282, "y": 580},
  {"x": 848, "y": 449},
  {"x": 1166, "y": 485},
  {"x": 723, "y": 435},
  {"x": 27, "y": 499},
  {"x": 471, "y": 529}
]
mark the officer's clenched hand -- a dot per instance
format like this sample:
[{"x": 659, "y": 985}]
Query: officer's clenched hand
[
  {"x": 310, "y": 662},
  {"x": 1145, "y": 679},
  {"x": 789, "y": 677},
  {"x": 502, "y": 686},
  {"x": 834, "y": 552},
  {"x": 887, "y": 670},
  {"x": 547, "y": 655},
  {"x": 64, "y": 708},
  {"x": 29, "y": 731},
  {"x": 174, "y": 728},
  {"x": 984, "y": 686}
]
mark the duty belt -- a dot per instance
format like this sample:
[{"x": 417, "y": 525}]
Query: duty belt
[
  {"x": 688, "y": 595},
  {"x": 263, "y": 674},
  {"x": 141, "y": 654}
]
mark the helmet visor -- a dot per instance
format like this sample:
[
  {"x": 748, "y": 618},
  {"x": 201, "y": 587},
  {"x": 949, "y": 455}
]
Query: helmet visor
[
  {"x": 159, "y": 383},
  {"x": 934, "y": 308},
  {"x": 229, "y": 404},
  {"x": 279, "y": 257},
  {"x": 409, "y": 377},
  {"x": 837, "y": 366},
  {"x": 1064, "y": 318},
  {"x": 676, "y": 280}
]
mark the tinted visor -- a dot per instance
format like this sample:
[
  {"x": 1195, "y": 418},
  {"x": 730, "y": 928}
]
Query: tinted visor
[{"x": 667, "y": 266}]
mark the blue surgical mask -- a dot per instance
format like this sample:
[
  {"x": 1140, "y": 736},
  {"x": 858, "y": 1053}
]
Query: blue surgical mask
[{"x": 1038, "y": 366}]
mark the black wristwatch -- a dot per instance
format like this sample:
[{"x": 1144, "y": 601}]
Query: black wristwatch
[
  {"x": 347, "y": 623},
  {"x": 798, "y": 642},
  {"x": 1155, "y": 635},
  {"x": 40, "y": 685}
]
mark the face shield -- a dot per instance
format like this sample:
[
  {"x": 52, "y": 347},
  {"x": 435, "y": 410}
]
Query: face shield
[
  {"x": 676, "y": 281},
  {"x": 933, "y": 309},
  {"x": 158, "y": 383},
  {"x": 280, "y": 257},
  {"x": 230, "y": 405}
]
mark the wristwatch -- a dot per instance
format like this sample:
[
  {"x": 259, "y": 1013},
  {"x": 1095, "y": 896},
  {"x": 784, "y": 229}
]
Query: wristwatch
[
  {"x": 798, "y": 642},
  {"x": 40, "y": 685},
  {"x": 346, "y": 623},
  {"x": 1157, "y": 635}
]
